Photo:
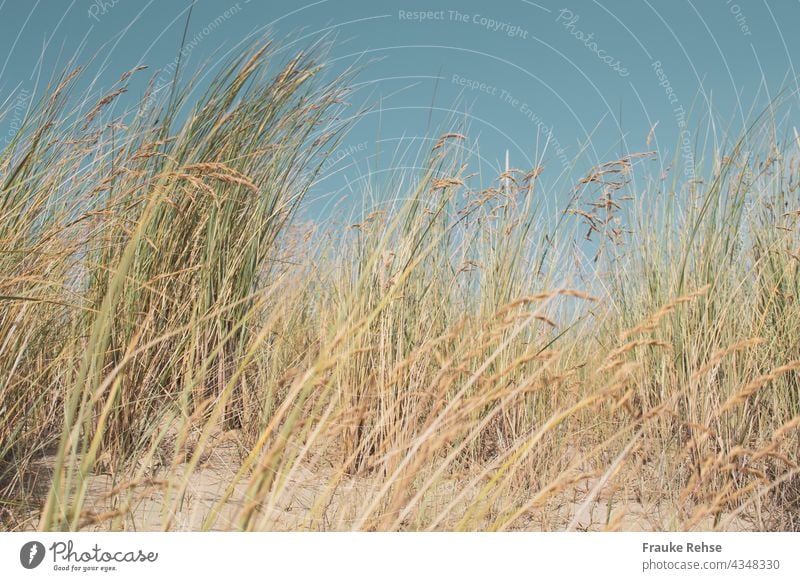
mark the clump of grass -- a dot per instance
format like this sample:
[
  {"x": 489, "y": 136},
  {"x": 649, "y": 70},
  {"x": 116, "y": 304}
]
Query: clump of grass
[{"x": 445, "y": 362}]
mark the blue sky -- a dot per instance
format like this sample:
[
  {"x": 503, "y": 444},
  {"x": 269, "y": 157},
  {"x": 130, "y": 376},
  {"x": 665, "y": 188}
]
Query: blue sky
[{"x": 540, "y": 79}]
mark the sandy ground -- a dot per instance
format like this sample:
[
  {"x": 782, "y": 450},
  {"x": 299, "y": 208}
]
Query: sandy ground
[{"x": 149, "y": 504}]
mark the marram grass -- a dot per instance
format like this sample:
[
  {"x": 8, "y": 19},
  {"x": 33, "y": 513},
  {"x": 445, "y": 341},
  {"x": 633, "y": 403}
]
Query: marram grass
[{"x": 178, "y": 352}]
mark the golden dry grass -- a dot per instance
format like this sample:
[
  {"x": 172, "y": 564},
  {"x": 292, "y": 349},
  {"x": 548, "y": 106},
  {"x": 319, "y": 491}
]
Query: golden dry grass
[{"x": 177, "y": 353}]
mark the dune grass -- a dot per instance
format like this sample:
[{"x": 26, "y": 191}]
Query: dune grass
[{"x": 460, "y": 359}]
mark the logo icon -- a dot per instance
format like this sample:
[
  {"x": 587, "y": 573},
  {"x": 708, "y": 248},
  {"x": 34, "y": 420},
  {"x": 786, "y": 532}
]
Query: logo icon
[{"x": 31, "y": 554}]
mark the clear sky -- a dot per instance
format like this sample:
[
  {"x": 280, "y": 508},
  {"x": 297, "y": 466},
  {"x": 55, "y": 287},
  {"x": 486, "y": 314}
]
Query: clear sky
[{"x": 523, "y": 74}]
